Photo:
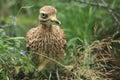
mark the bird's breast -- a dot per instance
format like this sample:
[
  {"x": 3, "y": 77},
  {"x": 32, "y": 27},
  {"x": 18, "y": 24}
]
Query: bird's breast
[{"x": 48, "y": 43}]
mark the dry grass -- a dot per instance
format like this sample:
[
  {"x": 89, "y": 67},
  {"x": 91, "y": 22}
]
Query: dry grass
[{"x": 98, "y": 61}]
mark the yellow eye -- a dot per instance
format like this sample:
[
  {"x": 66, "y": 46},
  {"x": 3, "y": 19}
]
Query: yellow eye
[{"x": 43, "y": 15}]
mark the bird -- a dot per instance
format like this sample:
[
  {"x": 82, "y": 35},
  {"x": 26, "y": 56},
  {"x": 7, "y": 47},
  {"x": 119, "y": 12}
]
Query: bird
[{"x": 47, "y": 41}]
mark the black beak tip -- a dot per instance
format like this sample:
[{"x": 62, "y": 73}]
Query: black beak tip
[{"x": 58, "y": 22}]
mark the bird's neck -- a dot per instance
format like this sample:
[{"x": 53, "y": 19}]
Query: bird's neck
[{"x": 46, "y": 26}]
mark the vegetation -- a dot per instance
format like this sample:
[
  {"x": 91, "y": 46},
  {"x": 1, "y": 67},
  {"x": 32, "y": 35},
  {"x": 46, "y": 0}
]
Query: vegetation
[{"x": 93, "y": 39}]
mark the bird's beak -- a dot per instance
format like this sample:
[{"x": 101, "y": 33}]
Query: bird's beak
[{"x": 55, "y": 20}]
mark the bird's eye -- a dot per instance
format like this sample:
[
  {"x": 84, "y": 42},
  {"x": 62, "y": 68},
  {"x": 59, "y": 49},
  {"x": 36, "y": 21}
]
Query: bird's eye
[{"x": 43, "y": 15}]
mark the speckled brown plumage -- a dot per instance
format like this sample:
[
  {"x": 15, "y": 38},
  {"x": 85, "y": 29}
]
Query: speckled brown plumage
[{"x": 47, "y": 39}]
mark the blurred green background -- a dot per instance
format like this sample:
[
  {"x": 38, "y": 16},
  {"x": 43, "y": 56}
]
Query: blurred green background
[
  {"x": 78, "y": 20},
  {"x": 81, "y": 22}
]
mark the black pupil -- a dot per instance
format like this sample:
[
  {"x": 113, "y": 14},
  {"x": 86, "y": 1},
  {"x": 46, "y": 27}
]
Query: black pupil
[{"x": 44, "y": 15}]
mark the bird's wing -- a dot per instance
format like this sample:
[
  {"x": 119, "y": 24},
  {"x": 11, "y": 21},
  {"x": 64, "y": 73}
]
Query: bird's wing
[
  {"x": 62, "y": 37},
  {"x": 29, "y": 36}
]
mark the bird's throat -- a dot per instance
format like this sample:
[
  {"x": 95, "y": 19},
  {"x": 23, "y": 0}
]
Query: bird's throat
[{"x": 47, "y": 27}]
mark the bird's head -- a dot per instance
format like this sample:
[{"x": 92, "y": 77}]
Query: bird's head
[{"x": 47, "y": 15}]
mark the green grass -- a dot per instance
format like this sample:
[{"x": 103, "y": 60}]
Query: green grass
[{"x": 83, "y": 25}]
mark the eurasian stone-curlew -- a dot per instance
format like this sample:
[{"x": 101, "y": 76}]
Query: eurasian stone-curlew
[{"x": 47, "y": 41}]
